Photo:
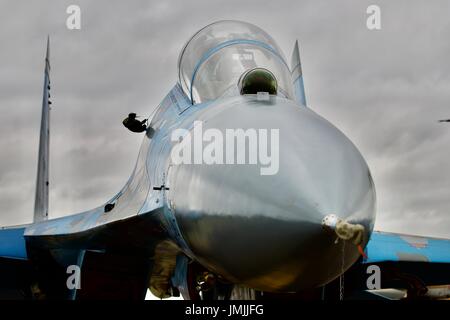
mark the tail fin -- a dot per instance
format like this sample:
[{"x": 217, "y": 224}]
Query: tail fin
[
  {"x": 297, "y": 76},
  {"x": 42, "y": 184}
]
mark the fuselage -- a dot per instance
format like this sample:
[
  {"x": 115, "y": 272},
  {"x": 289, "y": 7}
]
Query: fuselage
[
  {"x": 265, "y": 231},
  {"x": 240, "y": 183}
]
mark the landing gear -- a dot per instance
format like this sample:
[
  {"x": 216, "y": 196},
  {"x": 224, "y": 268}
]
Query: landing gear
[{"x": 204, "y": 285}]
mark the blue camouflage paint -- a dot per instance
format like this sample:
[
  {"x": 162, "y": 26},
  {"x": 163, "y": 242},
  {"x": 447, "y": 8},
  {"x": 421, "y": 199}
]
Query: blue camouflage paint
[
  {"x": 384, "y": 247},
  {"x": 12, "y": 243}
]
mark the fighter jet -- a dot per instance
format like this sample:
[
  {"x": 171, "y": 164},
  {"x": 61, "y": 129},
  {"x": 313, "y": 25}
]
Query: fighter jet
[{"x": 240, "y": 191}]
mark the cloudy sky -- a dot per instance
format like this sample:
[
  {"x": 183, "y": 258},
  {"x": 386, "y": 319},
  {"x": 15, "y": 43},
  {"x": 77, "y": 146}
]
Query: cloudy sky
[{"x": 384, "y": 89}]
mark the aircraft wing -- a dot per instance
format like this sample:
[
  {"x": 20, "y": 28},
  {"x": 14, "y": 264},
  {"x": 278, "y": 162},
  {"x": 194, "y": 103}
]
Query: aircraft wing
[
  {"x": 15, "y": 268},
  {"x": 419, "y": 265},
  {"x": 12, "y": 243},
  {"x": 114, "y": 259},
  {"x": 384, "y": 247}
]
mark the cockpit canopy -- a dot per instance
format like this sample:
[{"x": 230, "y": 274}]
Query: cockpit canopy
[{"x": 214, "y": 59}]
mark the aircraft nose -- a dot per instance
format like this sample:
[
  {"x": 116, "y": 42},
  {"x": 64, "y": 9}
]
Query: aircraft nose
[{"x": 263, "y": 228}]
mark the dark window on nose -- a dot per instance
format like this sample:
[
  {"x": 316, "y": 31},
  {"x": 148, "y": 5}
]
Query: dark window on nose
[{"x": 258, "y": 80}]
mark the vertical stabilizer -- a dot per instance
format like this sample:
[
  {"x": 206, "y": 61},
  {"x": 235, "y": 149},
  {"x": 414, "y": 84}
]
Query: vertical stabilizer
[
  {"x": 297, "y": 76},
  {"x": 42, "y": 183}
]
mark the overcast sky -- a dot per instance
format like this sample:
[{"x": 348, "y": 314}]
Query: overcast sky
[{"x": 384, "y": 89}]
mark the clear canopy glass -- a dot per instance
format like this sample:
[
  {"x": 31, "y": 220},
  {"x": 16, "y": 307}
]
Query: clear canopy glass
[{"x": 213, "y": 60}]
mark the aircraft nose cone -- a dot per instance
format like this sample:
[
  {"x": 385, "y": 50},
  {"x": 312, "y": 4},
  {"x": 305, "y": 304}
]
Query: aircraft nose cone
[{"x": 264, "y": 230}]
